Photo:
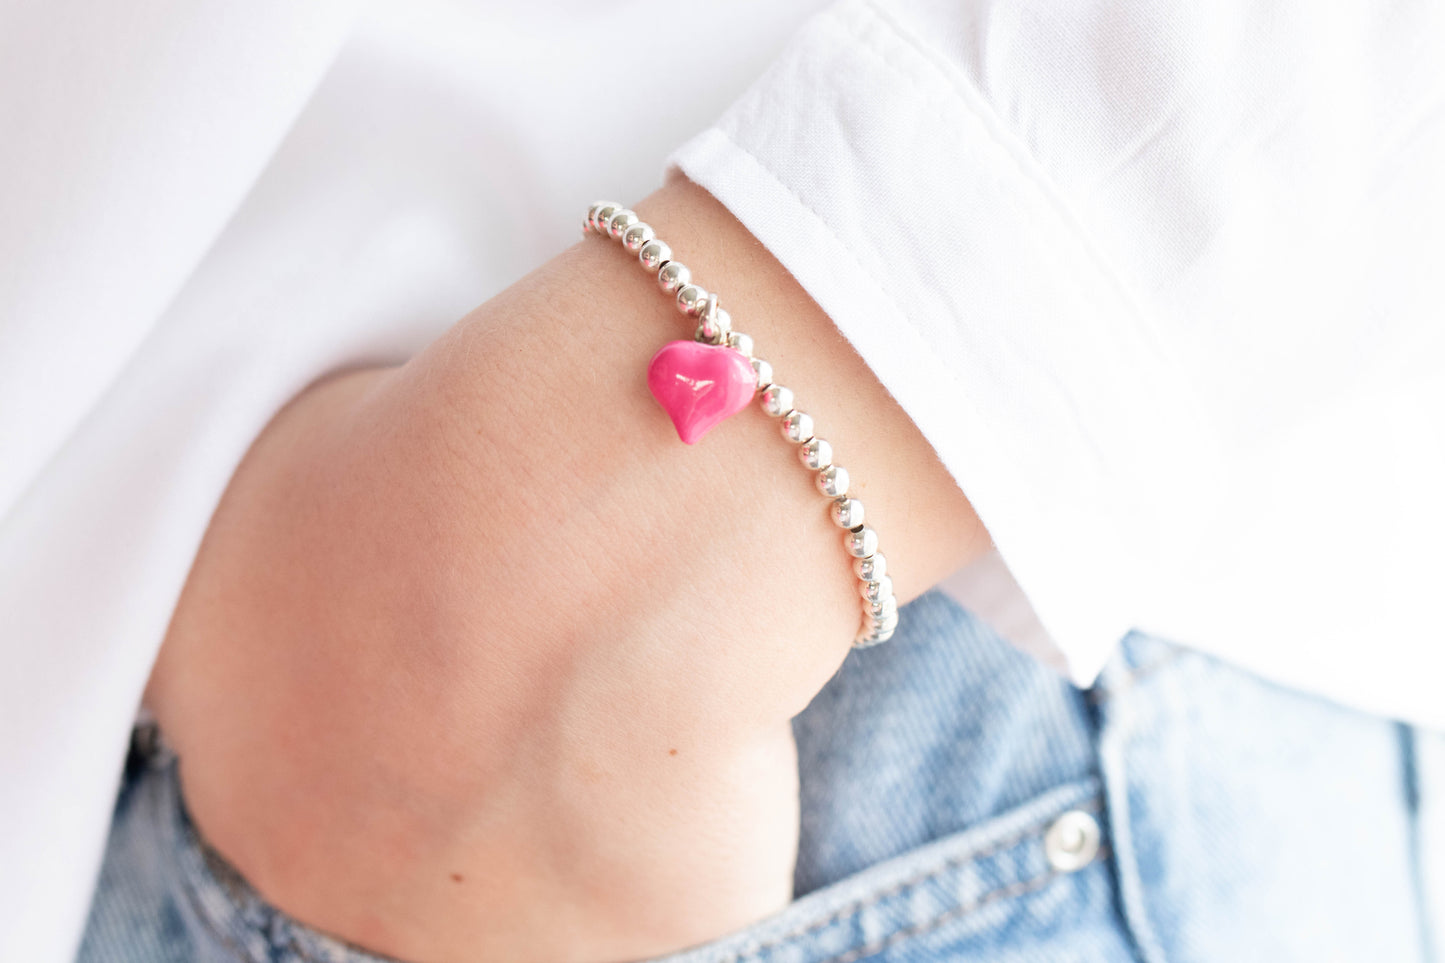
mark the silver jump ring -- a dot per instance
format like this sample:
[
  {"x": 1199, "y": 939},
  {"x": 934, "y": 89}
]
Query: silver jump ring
[{"x": 716, "y": 325}]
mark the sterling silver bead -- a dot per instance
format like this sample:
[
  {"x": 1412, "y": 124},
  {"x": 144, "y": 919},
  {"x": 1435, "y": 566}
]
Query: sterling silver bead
[
  {"x": 816, "y": 454},
  {"x": 872, "y": 637},
  {"x": 602, "y": 213},
  {"x": 878, "y": 633},
  {"x": 882, "y": 609},
  {"x": 885, "y": 623},
  {"x": 777, "y": 400},
  {"x": 619, "y": 222},
  {"x": 862, "y": 543},
  {"x": 637, "y": 235},
  {"x": 589, "y": 223},
  {"x": 764, "y": 372},
  {"x": 873, "y": 567},
  {"x": 653, "y": 255},
  {"x": 690, "y": 298},
  {"x": 847, "y": 513},
  {"x": 739, "y": 341},
  {"x": 797, "y": 426},
  {"x": 876, "y": 589},
  {"x": 674, "y": 274},
  {"x": 833, "y": 481}
]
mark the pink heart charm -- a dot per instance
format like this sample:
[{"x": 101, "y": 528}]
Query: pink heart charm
[{"x": 699, "y": 385}]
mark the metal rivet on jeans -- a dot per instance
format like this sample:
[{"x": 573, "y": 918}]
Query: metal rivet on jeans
[{"x": 1072, "y": 842}]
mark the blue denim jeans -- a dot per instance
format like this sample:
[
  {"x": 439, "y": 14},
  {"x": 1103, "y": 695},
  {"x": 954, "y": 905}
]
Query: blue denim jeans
[{"x": 960, "y": 802}]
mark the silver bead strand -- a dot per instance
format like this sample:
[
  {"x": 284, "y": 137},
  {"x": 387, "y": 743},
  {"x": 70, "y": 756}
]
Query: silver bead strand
[
  {"x": 872, "y": 623},
  {"x": 878, "y": 615},
  {"x": 881, "y": 611},
  {"x": 602, "y": 213},
  {"x": 589, "y": 223},
  {"x": 653, "y": 255},
  {"x": 637, "y": 235},
  {"x": 847, "y": 513},
  {"x": 690, "y": 298},
  {"x": 673, "y": 275},
  {"x": 797, "y": 426},
  {"x": 875, "y": 590},
  {"x": 764, "y": 371},
  {"x": 777, "y": 400},
  {"x": 874, "y": 636},
  {"x": 870, "y": 568},
  {"x": 888, "y": 622},
  {"x": 816, "y": 454},
  {"x": 620, "y": 222},
  {"x": 861, "y": 542},
  {"x": 833, "y": 481}
]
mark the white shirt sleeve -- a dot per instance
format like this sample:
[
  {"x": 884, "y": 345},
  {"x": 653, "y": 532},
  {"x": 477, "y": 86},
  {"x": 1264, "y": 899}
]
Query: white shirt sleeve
[
  {"x": 1160, "y": 282},
  {"x": 129, "y": 135}
]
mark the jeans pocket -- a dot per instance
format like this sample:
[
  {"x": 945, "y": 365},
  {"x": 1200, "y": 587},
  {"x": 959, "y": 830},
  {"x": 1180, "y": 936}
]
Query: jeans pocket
[
  {"x": 1029, "y": 885},
  {"x": 165, "y": 896}
]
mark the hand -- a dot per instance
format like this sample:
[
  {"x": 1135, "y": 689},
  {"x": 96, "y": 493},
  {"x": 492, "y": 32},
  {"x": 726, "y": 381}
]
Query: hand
[{"x": 477, "y": 661}]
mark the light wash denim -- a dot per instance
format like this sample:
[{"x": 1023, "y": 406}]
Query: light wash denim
[{"x": 950, "y": 789}]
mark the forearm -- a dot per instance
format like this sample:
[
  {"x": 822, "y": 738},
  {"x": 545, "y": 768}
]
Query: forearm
[
  {"x": 728, "y": 539},
  {"x": 505, "y": 662},
  {"x": 549, "y": 379}
]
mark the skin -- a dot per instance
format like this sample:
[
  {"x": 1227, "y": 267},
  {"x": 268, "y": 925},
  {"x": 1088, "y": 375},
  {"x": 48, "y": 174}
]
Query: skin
[{"x": 478, "y": 661}]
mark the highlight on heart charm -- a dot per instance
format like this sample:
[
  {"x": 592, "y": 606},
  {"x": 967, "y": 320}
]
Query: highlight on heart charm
[{"x": 699, "y": 385}]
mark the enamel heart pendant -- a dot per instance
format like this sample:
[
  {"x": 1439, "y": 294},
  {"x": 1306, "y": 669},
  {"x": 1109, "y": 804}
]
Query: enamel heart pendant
[{"x": 699, "y": 385}]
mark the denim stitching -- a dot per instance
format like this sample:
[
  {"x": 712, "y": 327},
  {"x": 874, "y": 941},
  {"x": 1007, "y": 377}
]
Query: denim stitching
[
  {"x": 948, "y": 916},
  {"x": 226, "y": 940},
  {"x": 850, "y": 909},
  {"x": 853, "y": 908},
  {"x": 239, "y": 902}
]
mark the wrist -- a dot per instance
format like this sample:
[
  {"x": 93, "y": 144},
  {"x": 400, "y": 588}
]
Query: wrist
[{"x": 493, "y": 594}]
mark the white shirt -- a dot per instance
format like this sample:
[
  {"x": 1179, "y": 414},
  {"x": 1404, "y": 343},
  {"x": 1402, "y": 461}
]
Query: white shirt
[{"x": 1161, "y": 282}]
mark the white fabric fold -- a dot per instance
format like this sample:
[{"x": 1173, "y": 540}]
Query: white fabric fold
[
  {"x": 1159, "y": 281},
  {"x": 131, "y": 134},
  {"x": 1156, "y": 283}
]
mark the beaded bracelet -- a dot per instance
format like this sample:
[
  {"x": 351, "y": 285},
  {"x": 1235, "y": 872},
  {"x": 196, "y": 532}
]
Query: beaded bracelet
[{"x": 701, "y": 382}]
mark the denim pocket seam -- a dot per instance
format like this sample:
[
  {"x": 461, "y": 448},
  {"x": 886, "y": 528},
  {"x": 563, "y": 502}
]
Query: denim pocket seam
[
  {"x": 234, "y": 946},
  {"x": 873, "y": 899},
  {"x": 291, "y": 929},
  {"x": 225, "y": 940},
  {"x": 1020, "y": 888}
]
